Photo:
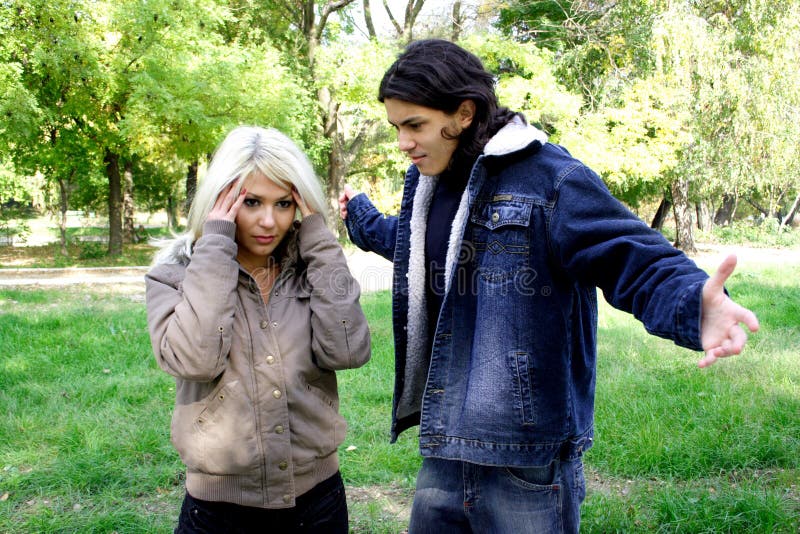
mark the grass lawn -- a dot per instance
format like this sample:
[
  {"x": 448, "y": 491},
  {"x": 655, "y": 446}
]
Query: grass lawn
[{"x": 84, "y": 439}]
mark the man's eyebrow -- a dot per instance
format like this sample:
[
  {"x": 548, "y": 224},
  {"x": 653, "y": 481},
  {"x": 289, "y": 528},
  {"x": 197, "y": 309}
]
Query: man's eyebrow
[{"x": 413, "y": 118}]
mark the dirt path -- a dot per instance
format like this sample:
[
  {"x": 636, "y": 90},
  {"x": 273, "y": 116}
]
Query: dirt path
[{"x": 373, "y": 272}]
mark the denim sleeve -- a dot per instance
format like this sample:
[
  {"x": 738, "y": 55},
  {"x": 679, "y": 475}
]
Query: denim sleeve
[
  {"x": 600, "y": 243},
  {"x": 369, "y": 229}
]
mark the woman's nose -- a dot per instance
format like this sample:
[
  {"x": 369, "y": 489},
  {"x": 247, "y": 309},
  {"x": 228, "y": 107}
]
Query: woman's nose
[{"x": 267, "y": 219}]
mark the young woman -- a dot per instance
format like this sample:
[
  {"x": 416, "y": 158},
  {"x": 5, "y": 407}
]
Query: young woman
[
  {"x": 500, "y": 245},
  {"x": 252, "y": 311}
]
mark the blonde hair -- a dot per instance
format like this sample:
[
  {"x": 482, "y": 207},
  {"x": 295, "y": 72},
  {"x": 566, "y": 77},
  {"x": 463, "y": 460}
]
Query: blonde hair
[{"x": 245, "y": 150}]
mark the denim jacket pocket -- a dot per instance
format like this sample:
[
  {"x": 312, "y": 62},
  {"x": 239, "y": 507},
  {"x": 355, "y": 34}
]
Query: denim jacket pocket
[
  {"x": 500, "y": 237},
  {"x": 523, "y": 394}
]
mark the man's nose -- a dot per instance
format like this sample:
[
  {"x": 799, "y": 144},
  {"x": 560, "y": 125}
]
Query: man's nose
[{"x": 405, "y": 142}]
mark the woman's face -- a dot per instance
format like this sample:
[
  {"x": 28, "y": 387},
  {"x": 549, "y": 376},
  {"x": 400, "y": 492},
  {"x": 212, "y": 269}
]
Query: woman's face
[
  {"x": 420, "y": 133},
  {"x": 262, "y": 221}
]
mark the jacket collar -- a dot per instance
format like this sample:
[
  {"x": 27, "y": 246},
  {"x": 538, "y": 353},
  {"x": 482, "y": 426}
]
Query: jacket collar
[{"x": 512, "y": 137}]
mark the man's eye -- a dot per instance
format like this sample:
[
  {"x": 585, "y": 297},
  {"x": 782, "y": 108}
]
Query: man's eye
[{"x": 250, "y": 202}]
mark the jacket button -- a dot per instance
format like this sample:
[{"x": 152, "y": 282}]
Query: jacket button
[
  {"x": 276, "y": 394},
  {"x": 270, "y": 359},
  {"x": 287, "y": 499},
  {"x": 264, "y": 324},
  {"x": 495, "y": 217},
  {"x": 282, "y": 466},
  {"x": 275, "y": 324},
  {"x": 279, "y": 429}
]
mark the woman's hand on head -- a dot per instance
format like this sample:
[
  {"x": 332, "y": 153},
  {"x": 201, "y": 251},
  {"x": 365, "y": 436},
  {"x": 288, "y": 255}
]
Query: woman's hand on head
[
  {"x": 305, "y": 211},
  {"x": 227, "y": 204}
]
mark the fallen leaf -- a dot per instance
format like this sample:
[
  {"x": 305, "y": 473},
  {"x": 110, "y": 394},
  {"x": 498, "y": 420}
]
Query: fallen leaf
[
  {"x": 4, "y": 497},
  {"x": 351, "y": 448}
]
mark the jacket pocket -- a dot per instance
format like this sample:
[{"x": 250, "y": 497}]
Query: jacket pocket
[
  {"x": 217, "y": 435},
  {"x": 500, "y": 237},
  {"x": 321, "y": 428},
  {"x": 523, "y": 394}
]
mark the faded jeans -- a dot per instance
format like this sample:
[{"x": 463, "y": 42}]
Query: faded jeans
[{"x": 459, "y": 497}]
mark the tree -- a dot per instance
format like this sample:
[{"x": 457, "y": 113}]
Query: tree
[
  {"x": 602, "y": 44},
  {"x": 47, "y": 58},
  {"x": 130, "y": 82}
]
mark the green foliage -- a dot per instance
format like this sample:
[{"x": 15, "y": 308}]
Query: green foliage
[
  {"x": 526, "y": 81},
  {"x": 764, "y": 233}
]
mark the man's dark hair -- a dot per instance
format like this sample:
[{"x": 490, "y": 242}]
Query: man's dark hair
[{"x": 441, "y": 75}]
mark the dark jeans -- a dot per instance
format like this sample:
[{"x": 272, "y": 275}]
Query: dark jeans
[
  {"x": 455, "y": 497},
  {"x": 322, "y": 510}
]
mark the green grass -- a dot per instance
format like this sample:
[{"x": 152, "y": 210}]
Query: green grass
[
  {"x": 84, "y": 440},
  {"x": 78, "y": 255}
]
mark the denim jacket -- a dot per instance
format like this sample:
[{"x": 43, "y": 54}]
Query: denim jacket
[{"x": 510, "y": 379}]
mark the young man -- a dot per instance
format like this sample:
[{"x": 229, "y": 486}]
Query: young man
[{"x": 500, "y": 244}]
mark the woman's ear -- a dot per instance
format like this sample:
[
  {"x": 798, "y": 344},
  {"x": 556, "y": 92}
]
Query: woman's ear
[{"x": 465, "y": 113}]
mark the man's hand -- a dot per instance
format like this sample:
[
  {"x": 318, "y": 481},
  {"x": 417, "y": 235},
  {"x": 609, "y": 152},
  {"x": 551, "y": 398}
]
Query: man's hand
[
  {"x": 720, "y": 330},
  {"x": 344, "y": 198}
]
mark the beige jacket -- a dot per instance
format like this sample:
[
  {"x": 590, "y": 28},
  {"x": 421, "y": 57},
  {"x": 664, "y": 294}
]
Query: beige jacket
[{"x": 256, "y": 418}]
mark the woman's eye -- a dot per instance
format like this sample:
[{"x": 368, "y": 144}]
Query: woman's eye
[
  {"x": 285, "y": 204},
  {"x": 250, "y": 202}
]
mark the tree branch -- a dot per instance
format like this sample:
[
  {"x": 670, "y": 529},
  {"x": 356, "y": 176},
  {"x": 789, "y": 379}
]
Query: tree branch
[{"x": 397, "y": 27}]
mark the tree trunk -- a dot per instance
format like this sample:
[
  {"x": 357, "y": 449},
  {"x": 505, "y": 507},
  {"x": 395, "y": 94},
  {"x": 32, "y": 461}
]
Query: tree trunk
[
  {"x": 726, "y": 211},
  {"x": 191, "y": 185},
  {"x": 114, "y": 203},
  {"x": 704, "y": 220},
  {"x": 63, "y": 205},
  {"x": 368, "y": 20},
  {"x": 128, "y": 207},
  {"x": 458, "y": 21},
  {"x": 337, "y": 169},
  {"x": 172, "y": 213},
  {"x": 661, "y": 213},
  {"x": 792, "y": 212},
  {"x": 761, "y": 209},
  {"x": 684, "y": 239}
]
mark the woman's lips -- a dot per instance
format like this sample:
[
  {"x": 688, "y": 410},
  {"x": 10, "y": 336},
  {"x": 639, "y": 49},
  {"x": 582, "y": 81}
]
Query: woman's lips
[{"x": 265, "y": 239}]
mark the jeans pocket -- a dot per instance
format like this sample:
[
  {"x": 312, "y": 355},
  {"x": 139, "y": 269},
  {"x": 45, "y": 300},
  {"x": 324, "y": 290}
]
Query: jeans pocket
[{"x": 534, "y": 478}]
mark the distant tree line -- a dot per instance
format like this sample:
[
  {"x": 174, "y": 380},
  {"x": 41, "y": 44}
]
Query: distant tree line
[{"x": 685, "y": 108}]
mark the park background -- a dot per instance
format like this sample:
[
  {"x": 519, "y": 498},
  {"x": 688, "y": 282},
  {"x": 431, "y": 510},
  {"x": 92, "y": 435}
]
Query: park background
[{"x": 109, "y": 111}]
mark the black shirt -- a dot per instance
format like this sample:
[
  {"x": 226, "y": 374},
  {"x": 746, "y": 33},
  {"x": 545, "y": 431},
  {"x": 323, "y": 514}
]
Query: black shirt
[{"x": 444, "y": 206}]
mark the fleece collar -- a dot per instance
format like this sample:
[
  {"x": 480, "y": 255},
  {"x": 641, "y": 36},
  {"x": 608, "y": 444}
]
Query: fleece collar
[{"x": 512, "y": 137}]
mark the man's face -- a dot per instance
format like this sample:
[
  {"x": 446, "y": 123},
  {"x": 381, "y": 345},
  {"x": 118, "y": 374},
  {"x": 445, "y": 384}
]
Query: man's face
[{"x": 429, "y": 136}]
